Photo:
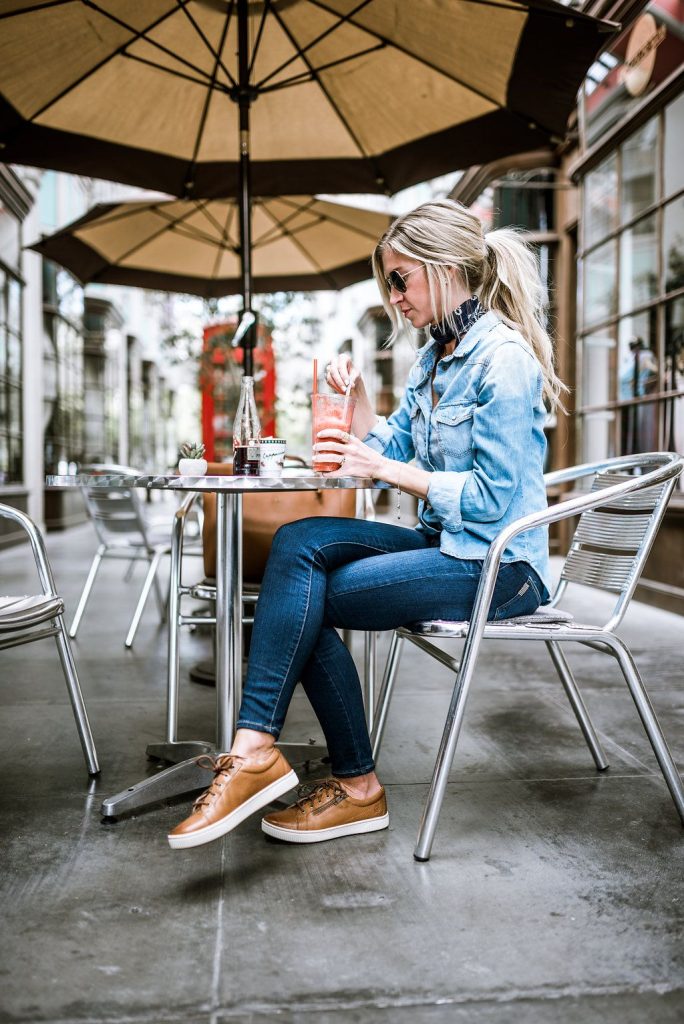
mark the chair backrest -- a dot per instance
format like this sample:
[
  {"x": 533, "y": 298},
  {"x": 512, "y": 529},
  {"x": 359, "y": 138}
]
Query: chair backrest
[
  {"x": 262, "y": 515},
  {"x": 115, "y": 508},
  {"x": 611, "y": 543}
]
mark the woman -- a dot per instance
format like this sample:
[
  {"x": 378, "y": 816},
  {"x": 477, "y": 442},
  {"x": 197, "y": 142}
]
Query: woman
[{"x": 472, "y": 418}]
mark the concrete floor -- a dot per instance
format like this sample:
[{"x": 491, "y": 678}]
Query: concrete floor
[{"x": 553, "y": 893}]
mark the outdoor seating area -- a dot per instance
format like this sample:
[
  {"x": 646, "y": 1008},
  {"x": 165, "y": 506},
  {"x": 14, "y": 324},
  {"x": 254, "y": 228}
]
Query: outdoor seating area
[
  {"x": 552, "y": 891},
  {"x": 341, "y": 512}
]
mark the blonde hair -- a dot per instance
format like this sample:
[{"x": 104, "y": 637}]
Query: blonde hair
[{"x": 499, "y": 267}]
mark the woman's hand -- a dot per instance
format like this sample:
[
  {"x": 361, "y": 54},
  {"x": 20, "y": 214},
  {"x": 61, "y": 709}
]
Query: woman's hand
[
  {"x": 355, "y": 457},
  {"x": 341, "y": 372}
]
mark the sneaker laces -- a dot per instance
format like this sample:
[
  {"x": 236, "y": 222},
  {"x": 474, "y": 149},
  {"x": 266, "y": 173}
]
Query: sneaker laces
[
  {"x": 313, "y": 794},
  {"x": 223, "y": 768}
]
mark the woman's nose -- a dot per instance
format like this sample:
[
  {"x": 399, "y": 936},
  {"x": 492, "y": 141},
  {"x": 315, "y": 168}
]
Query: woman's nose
[{"x": 394, "y": 297}]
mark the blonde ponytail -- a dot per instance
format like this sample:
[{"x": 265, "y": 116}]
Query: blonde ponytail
[
  {"x": 511, "y": 286},
  {"x": 500, "y": 268}
]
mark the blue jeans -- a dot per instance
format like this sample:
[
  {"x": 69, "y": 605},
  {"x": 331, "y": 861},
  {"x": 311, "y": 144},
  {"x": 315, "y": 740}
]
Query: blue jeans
[{"x": 327, "y": 573}]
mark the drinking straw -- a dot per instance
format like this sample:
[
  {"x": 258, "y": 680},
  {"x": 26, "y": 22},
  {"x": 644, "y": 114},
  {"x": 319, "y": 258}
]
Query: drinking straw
[
  {"x": 346, "y": 400},
  {"x": 314, "y": 390}
]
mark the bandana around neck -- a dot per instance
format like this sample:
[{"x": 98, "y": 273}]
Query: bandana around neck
[{"x": 465, "y": 316}]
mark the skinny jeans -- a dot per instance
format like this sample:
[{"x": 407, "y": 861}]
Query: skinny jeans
[{"x": 325, "y": 574}]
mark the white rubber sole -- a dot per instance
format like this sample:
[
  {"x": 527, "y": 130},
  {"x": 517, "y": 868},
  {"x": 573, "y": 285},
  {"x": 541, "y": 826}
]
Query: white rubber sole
[
  {"x": 355, "y": 828},
  {"x": 231, "y": 821}
]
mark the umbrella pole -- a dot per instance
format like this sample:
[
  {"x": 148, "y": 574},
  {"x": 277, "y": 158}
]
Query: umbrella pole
[{"x": 244, "y": 101}]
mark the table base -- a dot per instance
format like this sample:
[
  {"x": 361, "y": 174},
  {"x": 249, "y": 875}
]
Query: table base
[{"x": 187, "y": 776}]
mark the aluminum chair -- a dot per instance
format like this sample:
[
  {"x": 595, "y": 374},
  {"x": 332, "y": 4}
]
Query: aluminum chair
[
  {"x": 28, "y": 618},
  {"x": 118, "y": 516},
  {"x": 618, "y": 521}
]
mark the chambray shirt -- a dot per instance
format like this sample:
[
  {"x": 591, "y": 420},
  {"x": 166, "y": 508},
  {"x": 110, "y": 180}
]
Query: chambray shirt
[{"x": 483, "y": 442}]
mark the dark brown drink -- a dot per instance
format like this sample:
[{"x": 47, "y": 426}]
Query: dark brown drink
[{"x": 246, "y": 459}]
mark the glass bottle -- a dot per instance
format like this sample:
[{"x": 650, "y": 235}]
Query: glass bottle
[{"x": 246, "y": 432}]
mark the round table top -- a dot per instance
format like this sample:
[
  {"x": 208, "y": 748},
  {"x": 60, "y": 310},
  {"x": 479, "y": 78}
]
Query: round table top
[{"x": 291, "y": 480}]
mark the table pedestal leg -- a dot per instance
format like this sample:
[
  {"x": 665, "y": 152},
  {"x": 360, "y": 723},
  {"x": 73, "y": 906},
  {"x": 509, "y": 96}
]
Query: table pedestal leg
[{"x": 181, "y": 778}]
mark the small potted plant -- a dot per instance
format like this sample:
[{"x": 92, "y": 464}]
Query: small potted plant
[{"x": 192, "y": 461}]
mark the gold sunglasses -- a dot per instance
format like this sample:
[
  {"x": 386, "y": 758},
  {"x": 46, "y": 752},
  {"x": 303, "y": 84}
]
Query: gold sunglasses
[{"x": 398, "y": 281}]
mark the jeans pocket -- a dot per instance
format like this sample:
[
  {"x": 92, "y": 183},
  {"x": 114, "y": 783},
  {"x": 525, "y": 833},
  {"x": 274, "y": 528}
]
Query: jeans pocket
[{"x": 525, "y": 601}]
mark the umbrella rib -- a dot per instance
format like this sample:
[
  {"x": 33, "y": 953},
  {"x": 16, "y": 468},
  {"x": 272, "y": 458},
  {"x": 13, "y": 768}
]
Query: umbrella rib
[
  {"x": 295, "y": 241},
  {"x": 216, "y": 54},
  {"x": 224, "y": 240},
  {"x": 169, "y": 225},
  {"x": 305, "y": 76},
  {"x": 433, "y": 67},
  {"x": 257, "y": 41},
  {"x": 207, "y": 99},
  {"x": 314, "y": 42},
  {"x": 333, "y": 104},
  {"x": 206, "y": 83},
  {"x": 136, "y": 34}
]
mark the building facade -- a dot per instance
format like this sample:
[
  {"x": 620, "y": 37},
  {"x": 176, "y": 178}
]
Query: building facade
[{"x": 83, "y": 375}]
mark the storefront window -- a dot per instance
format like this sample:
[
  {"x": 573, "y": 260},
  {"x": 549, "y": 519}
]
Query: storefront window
[
  {"x": 674, "y": 374},
  {"x": 632, "y": 393},
  {"x": 673, "y": 162},
  {"x": 673, "y": 244},
  {"x": 639, "y": 171},
  {"x": 638, "y": 264},
  {"x": 11, "y": 426},
  {"x": 63, "y": 303},
  {"x": 600, "y": 201},
  {"x": 600, "y": 280}
]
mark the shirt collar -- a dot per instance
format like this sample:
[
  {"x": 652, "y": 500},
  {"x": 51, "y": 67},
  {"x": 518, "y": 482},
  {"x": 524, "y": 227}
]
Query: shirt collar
[{"x": 430, "y": 352}]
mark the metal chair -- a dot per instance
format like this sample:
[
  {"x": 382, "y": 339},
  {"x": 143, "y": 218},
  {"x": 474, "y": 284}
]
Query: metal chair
[
  {"x": 118, "y": 516},
  {"x": 28, "y": 618},
  {"x": 618, "y": 521}
]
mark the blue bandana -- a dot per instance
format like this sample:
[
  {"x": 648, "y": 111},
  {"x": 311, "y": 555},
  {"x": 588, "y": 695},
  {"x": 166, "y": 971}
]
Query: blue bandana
[{"x": 465, "y": 316}]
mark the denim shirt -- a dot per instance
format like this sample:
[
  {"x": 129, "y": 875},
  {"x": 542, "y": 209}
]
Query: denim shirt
[{"x": 483, "y": 442}]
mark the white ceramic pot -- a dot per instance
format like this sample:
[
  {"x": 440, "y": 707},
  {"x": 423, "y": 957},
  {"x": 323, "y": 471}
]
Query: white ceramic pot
[{"x": 192, "y": 467}]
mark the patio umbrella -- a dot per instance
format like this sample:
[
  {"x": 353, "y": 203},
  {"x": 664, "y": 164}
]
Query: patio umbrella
[
  {"x": 193, "y": 97},
  {"x": 298, "y": 243}
]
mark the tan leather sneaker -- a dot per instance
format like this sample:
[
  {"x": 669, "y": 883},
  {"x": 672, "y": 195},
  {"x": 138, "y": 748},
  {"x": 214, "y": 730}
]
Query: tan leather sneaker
[
  {"x": 327, "y": 811},
  {"x": 241, "y": 787}
]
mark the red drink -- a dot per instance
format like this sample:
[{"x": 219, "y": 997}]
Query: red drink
[{"x": 330, "y": 412}]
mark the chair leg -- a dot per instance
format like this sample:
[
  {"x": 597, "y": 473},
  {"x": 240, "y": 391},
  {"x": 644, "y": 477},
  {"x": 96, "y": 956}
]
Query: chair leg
[
  {"x": 370, "y": 651},
  {"x": 577, "y": 704},
  {"x": 386, "y": 688},
  {"x": 447, "y": 746},
  {"x": 83, "y": 600},
  {"x": 76, "y": 697},
  {"x": 650, "y": 722},
  {"x": 142, "y": 600}
]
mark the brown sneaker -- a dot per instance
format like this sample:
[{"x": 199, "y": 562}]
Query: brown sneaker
[
  {"x": 327, "y": 812},
  {"x": 241, "y": 787}
]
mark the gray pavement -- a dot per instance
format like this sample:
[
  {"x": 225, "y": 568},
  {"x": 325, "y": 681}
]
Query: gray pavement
[{"x": 553, "y": 894}]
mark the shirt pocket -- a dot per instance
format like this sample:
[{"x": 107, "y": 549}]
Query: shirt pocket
[{"x": 454, "y": 426}]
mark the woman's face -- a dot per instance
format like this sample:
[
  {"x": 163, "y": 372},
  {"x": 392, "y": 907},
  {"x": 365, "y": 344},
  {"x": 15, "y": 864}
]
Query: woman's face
[{"x": 415, "y": 304}]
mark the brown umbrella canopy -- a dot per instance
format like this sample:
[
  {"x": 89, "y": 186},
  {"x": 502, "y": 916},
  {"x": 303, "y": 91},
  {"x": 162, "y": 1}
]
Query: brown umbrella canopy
[
  {"x": 343, "y": 95},
  {"x": 299, "y": 243}
]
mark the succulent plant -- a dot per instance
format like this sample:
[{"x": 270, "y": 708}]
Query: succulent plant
[{"x": 190, "y": 450}]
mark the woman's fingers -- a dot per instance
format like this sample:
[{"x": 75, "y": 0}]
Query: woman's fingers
[{"x": 341, "y": 372}]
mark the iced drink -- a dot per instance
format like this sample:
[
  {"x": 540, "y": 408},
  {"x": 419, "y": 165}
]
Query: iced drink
[{"x": 330, "y": 412}]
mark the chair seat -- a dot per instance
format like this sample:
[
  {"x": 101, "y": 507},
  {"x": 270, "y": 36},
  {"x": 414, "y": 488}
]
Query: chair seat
[
  {"x": 543, "y": 617},
  {"x": 20, "y": 612}
]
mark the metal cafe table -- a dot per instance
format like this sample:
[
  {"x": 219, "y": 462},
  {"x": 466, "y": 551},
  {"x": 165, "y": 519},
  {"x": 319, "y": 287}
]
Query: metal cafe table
[{"x": 187, "y": 775}]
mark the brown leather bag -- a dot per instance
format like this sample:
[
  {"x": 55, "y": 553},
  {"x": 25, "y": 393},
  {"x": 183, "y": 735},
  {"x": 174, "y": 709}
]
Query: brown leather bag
[{"x": 262, "y": 515}]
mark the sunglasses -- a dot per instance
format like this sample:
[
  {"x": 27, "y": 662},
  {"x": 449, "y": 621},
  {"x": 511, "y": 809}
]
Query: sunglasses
[{"x": 398, "y": 281}]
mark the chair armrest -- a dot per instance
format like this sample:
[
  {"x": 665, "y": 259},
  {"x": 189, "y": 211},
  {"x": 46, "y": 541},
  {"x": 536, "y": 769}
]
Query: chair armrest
[
  {"x": 177, "y": 530},
  {"x": 673, "y": 465},
  {"x": 37, "y": 546}
]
